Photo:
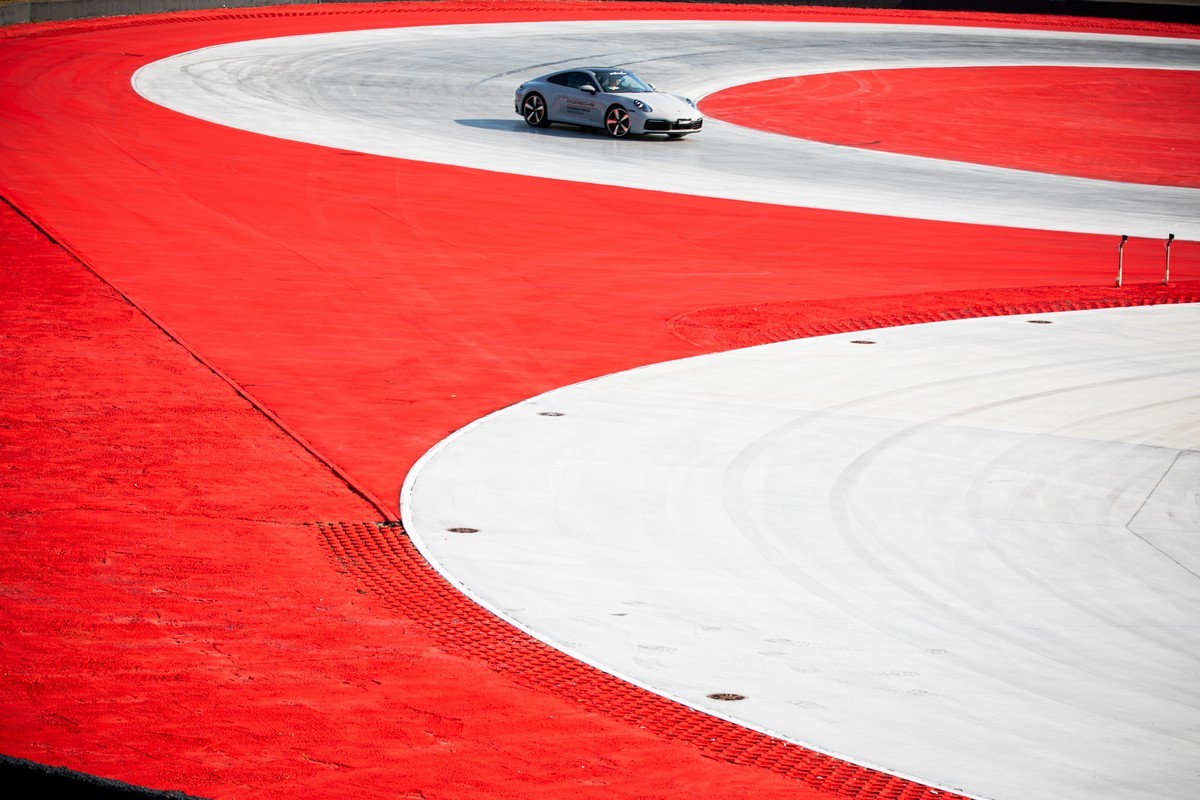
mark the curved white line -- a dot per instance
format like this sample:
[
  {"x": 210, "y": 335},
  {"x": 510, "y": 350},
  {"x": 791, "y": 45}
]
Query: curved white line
[{"x": 444, "y": 94}]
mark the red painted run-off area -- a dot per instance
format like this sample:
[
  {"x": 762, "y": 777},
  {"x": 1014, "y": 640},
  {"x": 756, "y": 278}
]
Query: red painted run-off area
[
  {"x": 1133, "y": 125},
  {"x": 167, "y": 617}
]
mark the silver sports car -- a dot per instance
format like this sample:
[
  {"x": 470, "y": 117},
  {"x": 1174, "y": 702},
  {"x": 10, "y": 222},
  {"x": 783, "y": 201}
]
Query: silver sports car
[{"x": 612, "y": 99}]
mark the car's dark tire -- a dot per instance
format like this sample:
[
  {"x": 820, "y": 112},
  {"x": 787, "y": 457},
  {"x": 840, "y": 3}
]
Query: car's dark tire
[
  {"x": 533, "y": 109},
  {"x": 617, "y": 122}
]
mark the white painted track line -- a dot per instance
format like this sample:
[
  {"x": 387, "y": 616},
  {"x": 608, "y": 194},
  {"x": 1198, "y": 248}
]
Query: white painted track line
[
  {"x": 445, "y": 94},
  {"x": 967, "y": 553}
]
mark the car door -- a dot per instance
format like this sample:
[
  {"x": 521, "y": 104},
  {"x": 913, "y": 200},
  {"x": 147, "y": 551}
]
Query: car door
[{"x": 572, "y": 101}]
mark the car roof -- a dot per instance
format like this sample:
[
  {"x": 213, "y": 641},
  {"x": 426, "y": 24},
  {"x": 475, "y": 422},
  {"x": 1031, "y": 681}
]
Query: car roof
[{"x": 589, "y": 69}]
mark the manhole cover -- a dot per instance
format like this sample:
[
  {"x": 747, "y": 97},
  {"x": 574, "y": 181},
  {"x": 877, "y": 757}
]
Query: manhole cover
[
  {"x": 726, "y": 696},
  {"x": 463, "y": 530}
]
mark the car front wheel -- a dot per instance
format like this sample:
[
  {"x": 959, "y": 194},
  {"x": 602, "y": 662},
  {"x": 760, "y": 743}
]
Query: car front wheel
[
  {"x": 617, "y": 122},
  {"x": 534, "y": 111}
]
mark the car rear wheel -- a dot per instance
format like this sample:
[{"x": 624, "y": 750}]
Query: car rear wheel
[
  {"x": 534, "y": 110},
  {"x": 617, "y": 122}
]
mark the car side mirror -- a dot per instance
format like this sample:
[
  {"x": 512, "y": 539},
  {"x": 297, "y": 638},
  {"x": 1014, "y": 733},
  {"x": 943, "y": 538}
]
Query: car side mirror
[
  {"x": 653, "y": 88},
  {"x": 589, "y": 89}
]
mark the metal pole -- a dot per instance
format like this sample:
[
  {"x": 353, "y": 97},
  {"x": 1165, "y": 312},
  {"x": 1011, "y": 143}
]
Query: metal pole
[
  {"x": 1167, "y": 270},
  {"x": 1121, "y": 259}
]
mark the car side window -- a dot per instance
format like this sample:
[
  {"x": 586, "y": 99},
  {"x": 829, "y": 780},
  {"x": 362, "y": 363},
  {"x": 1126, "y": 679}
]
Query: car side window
[
  {"x": 578, "y": 80},
  {"x": 560, "y": 79}
]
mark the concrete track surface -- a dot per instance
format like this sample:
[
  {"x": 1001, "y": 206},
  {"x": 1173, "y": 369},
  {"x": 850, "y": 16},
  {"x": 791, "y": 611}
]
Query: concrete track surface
[
  {"x": 445, "y": 94},
  {"x": 981, "y": 533}
]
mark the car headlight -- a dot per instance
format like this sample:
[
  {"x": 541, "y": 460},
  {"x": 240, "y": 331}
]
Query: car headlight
[{"x": 640, "y": 106}]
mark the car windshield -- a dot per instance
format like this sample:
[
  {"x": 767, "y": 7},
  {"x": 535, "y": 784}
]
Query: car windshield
[{"x": 616, "y": 80}]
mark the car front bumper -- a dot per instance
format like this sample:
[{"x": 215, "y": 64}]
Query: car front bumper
[{"x": 689, "y": 125}]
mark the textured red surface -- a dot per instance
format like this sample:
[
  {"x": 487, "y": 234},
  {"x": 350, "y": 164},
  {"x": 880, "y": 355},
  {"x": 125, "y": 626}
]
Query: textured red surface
[
  {"x": 166, "y": 618},
  {"x": 1133, "y": 125},
  {"x": 745, "y": 326},
  {"x": 169, "y": 620}
]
